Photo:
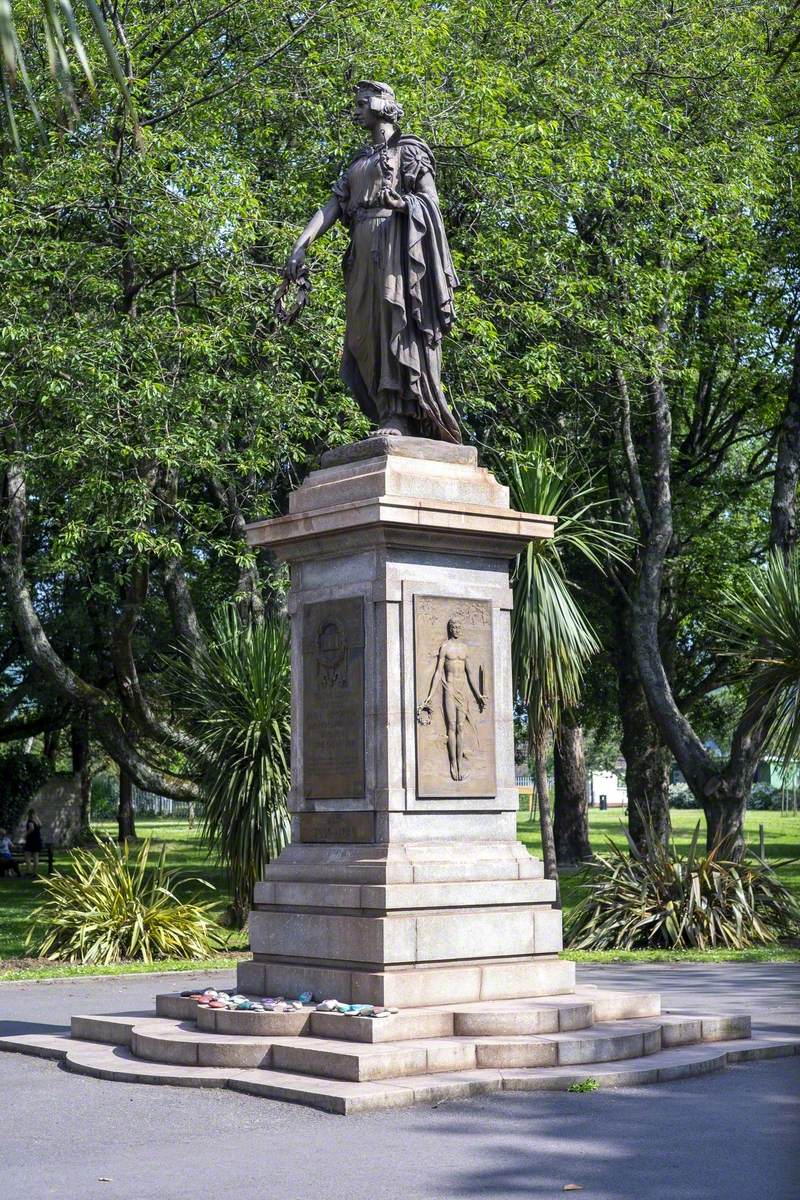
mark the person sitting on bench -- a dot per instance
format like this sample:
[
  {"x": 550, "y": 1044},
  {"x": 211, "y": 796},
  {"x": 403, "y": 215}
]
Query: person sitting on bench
[{"x": 7, "y": 860}]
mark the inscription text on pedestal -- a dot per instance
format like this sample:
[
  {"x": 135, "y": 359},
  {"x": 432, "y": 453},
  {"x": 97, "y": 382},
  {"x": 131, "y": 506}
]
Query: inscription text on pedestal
[
  {"x": 454, "y": 677},
  {"x": 333, "y": 700}
]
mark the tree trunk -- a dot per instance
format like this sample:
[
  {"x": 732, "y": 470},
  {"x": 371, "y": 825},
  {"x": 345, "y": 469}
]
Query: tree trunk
[
  {"x": 571, "y": 828},
  {"x": 722, "y": 790},
  {"x": 725, "y": 823},
  {"x": 60, "y": 677},
  {"x": 539, "y": 756},
  {"x": 79, "y": 741},
  {"x": 783, "y": 513},
  {"x": 52, "y": 737},
  {"x": 646, "y": 757},
  {"x": 125, "y": 815}
]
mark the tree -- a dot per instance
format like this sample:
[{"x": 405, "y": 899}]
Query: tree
[
  {"x": 762, "y": 628},
  {"x": 570, "y": 785},
  {"x": 21, "y": 776},
  {"x": 675, "y": 301},
  {"x": 146, "y": 404},
  {"x": 551, "y": 638},
  {"x": 235, "y": 695},
  {"x": 600, "y": 167},
  {"x": 13, "y": 67},
  {"x": 722, "y": 791}
]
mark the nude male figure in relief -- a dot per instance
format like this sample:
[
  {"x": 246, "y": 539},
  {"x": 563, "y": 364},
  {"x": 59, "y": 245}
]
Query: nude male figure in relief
[{"x": 456, "y": 674}]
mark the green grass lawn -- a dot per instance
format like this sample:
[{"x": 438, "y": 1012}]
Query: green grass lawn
[
  {"x": 186, "y": 855},
  {"x": 782, "y": 841}
]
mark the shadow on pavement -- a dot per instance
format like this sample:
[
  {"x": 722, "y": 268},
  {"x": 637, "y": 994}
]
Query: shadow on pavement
[{"x": 707, "y": 1139}]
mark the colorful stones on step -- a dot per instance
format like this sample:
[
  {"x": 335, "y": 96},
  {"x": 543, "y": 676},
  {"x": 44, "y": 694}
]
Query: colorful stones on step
[
  {"x": 236, "y": 1002},
  {"x": 354, "y": 1010}
]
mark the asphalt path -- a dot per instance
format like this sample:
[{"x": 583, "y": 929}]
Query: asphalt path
[{"x": 730, "y": 1136}]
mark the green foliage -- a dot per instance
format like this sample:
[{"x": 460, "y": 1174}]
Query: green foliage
[
  {"x": 21, "y": 776},
  {"x": 61, "y": 32},
  {"x": 669, "y": 899},
  {"x": 765, "y": 798},
  {"x": 235, "y": 696},
  {"x": 584, "y": 1085},
  {"x": 551, "y": 638},
  {"x": 598, "y": 165},
  {"x": 763, "y": 620},
  {"x": 105, "y": 796},
  {"x": 682, "y": 796},
  {"x": 114, "y": 905}
]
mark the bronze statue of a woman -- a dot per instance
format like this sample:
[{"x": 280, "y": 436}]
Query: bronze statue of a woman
[{"x": 398, "y": 273}]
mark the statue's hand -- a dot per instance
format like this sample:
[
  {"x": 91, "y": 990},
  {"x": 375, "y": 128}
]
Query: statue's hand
[
  {"x": 294, "y": 264},
  {"x": 392, "y": 199}
]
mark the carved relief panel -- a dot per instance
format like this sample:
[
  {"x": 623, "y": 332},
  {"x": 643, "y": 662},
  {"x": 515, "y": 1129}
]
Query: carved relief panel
[
  {"x": 333, "y": 700},
  {"x": 455, "y": 703}
]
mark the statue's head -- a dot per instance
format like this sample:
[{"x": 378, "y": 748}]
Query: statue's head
[
  {"x": 375, "y": 102},
  {"x": 454, "y": 628}
]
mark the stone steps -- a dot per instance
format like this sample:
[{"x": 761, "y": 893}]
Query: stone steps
[
  {"x": 185, "y": 1046},
  {"x": 116, "y": 1062},
  {"x": 182, "y": 1043},
  {"x": 553, "y": 1014},
  {"x": 119, "y": 1063}
]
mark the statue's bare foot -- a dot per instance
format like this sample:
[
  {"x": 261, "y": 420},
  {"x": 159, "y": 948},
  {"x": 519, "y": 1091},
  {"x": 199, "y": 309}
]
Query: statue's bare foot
[
  {"x": 454, "y": 773},
  {"x": 394, "y": 426}
]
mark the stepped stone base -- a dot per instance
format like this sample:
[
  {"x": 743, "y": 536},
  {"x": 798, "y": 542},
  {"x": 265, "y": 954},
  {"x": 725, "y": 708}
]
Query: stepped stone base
[
  {"x": 343, "y": 1063},
  {"x": 412, "y": 987}
]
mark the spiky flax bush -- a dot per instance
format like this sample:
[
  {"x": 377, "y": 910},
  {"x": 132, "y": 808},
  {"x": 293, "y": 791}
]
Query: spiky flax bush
[
  {"x": 666, "y": 900},
  {"x": 114, "y": 905}
]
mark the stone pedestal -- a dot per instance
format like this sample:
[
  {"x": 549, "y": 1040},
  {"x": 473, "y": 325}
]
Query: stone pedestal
[{"x": 404, "y": 883}]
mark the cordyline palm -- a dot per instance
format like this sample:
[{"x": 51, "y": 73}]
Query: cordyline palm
[
  {"x": 552, "y": 640},
  {"x": 762, "y": 627},
  {"x": 235, "y": 696}
]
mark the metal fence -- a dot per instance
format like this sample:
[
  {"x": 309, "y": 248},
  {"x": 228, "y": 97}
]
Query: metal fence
[{"x": 149, "y": 804}]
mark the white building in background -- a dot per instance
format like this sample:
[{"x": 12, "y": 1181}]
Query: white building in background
[
  {"x": 599, "y": 784},
  {"x": 606, "y": 784}
]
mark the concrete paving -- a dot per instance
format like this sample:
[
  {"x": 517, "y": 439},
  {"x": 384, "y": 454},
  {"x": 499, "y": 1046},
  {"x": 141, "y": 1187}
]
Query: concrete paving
[{"x": 731, "y": 1136}]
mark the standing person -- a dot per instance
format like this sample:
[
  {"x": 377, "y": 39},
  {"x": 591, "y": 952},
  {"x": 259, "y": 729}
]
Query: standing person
[
  {"x": 33, "y": 840},
  {"x": 7, "y": 860},
  {"x": 456, "y": 673},
  {"x": 399, "y": 276}
]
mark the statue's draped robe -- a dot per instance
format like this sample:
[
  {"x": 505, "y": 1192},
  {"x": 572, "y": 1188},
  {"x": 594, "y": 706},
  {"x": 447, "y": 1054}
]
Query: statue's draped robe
[{"x": 399, "y": 278}]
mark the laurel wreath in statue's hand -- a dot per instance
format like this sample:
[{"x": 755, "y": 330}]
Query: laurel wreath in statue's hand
[
  {"x": 287, "y": 314},
  {"x": 424, "y": 714}
]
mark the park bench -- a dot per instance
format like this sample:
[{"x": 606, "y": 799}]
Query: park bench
[{"x": 19, "y": 857}]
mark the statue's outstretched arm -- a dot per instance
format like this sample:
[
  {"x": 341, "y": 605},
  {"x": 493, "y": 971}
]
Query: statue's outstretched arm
[{"x": 320, "y": 223}]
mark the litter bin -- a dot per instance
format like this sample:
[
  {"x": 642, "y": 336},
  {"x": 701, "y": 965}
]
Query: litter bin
[{"x": 603, "y": 803}]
